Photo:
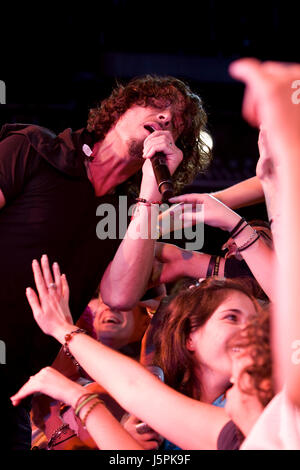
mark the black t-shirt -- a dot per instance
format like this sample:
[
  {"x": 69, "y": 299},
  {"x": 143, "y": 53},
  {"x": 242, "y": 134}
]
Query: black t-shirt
[
  {"x": 50, "y": 208},
  {"x": 230, "y": 437}
]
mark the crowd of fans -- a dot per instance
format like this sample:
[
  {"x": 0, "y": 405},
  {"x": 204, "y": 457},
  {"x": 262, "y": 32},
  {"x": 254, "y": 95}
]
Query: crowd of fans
[{"x": 206, "y": 360}]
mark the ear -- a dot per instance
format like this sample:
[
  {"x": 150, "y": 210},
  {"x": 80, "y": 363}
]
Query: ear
[{"x": 190, "y": 343}]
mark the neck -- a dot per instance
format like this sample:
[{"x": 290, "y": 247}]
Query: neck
[
  {"x": 211, "y": 385},
  {"x": 111, "y": 165}
]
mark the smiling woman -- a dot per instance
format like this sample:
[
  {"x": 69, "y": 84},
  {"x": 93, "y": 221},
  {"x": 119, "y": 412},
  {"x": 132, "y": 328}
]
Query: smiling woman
[{"x": 198, "y": 324}]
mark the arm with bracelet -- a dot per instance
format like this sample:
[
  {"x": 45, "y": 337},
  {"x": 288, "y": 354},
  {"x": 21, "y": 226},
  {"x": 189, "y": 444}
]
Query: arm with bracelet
[
  {"x": 105, "y": 430},
  {"x": 258, "y": 255},
  {"x": 125, "y": 379}
]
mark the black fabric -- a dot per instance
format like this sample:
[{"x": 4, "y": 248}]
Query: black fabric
[
  {"x": 230, "y": 437},
  {"x": 50, "y": 208}
]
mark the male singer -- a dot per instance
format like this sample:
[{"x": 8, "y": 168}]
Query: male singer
[{"x": 50, "y": 188}]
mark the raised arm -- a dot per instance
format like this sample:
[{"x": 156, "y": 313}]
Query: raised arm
[
  {"x": 269, "y": 102},
  {"x": 126, "y": 278}
]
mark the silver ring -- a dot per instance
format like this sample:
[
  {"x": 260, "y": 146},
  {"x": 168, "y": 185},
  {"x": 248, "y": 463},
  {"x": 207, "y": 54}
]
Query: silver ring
[{"x": 52, "y": 286}]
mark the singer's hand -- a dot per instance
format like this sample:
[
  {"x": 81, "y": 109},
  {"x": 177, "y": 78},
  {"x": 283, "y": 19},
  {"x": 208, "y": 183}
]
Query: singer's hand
[{"x": 158, "y": 141}]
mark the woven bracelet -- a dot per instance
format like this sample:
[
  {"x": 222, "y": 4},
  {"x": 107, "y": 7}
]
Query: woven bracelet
[{"x": 93, "y": 405}]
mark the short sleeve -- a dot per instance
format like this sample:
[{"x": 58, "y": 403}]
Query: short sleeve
[
  {"x": 230, "y": 437},
  {"x": 14, "y": 155}
]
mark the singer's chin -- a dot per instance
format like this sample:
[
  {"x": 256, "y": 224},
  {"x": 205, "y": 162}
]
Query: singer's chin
[{"x": 135, "y": 149}]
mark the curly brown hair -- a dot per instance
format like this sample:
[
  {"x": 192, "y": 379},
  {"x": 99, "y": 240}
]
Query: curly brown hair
[
  {"x": 152, "y": 90},
  {"x": 183, "y": 313},
  {"x": 255, "y": 340}
]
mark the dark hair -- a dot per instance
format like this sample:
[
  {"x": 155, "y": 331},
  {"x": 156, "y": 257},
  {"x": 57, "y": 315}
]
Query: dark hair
[
  {"x": 151, "y": 90},
  {"x": 187, "y": 311},
  {"x": 255, "y": 338}
]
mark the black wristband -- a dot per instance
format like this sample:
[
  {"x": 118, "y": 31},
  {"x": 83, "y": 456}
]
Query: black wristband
[
  {"x": 237, "y": 227},
  {"x": 211, "y": 266},
  {"x": 236, "y": 234}
]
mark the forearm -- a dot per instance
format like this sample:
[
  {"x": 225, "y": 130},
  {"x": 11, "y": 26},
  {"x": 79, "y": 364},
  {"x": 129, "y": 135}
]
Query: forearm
[
  {"x": 242, "y": 194},
  {"x": 261, "y": 260},
  {"x": 101, "y": 425},
  {"x": 197, "y": 265},
  {"x": 108, "y": 433},
  {"x": 126, "y": 278}
]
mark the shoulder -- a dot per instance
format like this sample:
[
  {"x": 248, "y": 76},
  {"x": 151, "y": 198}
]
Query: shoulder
[{"x": 25, "y": 130}]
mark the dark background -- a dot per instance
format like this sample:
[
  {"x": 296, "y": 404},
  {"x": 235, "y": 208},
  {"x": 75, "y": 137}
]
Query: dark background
[{"x": 59, "y": 61}]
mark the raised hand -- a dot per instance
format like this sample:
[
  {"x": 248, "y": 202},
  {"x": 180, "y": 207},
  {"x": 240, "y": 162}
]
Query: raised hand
[
  {"x": 271, "y": 99},
  {"x": 50, "y": 307}
]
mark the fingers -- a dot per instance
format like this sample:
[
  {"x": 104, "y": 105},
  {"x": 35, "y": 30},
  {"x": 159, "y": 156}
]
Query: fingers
[
  {"x": 65, "y": 288},
  {"x": 46, "y": 271},
  {"x": 190, "y": 198},
  {"x": 57, "y": 279},
  {"x": 39, "y": 279},
  {"x": 46, "y": 282},
  {"x": 246, "y": 70},
  {"x": 25, "y": 391},
  {"x": 33, "y": 302},
  {"x": 160, "y": 141}
]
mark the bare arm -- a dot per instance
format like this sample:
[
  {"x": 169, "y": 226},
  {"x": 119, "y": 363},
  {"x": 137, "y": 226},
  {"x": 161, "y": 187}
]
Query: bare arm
[
  {"x": 242, "y": 194},
  {"x": 195, "y": 425},
  {"x": 259, "y": 257},
  {"x": 109, "y": 435},
  {"x": 172, "y": 263},
  {"x": 126, "y": 278},
  {"x": 269, "y": 102}
]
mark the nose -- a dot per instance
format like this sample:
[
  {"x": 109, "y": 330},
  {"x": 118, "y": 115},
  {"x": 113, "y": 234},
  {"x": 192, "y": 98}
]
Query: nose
[{"x": 165, "y": 119}]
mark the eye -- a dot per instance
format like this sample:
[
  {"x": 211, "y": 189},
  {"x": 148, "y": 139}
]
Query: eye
[{"x": 233, "y": 317}]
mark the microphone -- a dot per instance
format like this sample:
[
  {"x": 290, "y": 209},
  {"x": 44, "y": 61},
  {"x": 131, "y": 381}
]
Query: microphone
[{"x": 161, "y": 172}]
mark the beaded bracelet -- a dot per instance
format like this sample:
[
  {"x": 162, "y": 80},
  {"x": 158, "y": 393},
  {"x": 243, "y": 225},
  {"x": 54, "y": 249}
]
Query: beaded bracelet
[
  {"x": 247, "y": 244},
  {"x": 217, "y": 265},
  {"x": 68, "y": 338},
  {"x": 147, "y": 203}
]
